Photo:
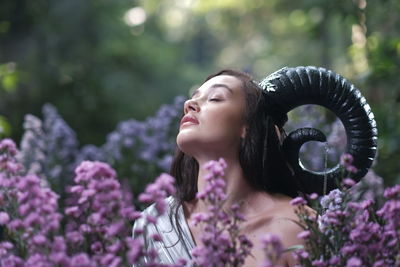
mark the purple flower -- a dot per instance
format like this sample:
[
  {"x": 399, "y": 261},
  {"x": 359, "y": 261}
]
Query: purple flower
[
  {"x": 334, "y": 260},
  {"x": 333, "y": 200},
  {"x": 348, "y": 182},
  {"x": 82, "y": 260},
  {"x": 273, "y": 249},
  {"x": 114, "y": 229},
  {"x": 379, "y": 263},
  {"x": 199, "y": 217},
  {"x": 4, "y": 218},
  {"x": 298, "y": 201},
  {"x": 91, "y": 153},
  {"x": 88, "y": 170},
  {"x": 8, "y": 146},
  {"x": 39, "y": 240},
  {"x": 38, "y": 260},
  {"x": 319, "y": 263},
  {"x": 11, "y": 260},
  {"x": 97, "y": 247},
  {"x": 49, "y": 148},
  {"x": 73, "y": 211},
  {"x": 8, "y": 162},
  {"x": 350, "y": 227},
  {"x": 151, "y": 219},
  {"x": 351, "y": 169},
  {"x": 349, "y": 249},
  {"x": 304, "y": 234},
  {"x": 156, "y": 237},
  {"x": 148, "y": 144},
  {"x": 60, "y": 259},
  {"x": 392, "y": 192},
  {"x": 180, "y": 263},
  {"x": 221, "y": 243},
  {"x": 59, "y": 244},
  {"x": 354, "y": 262},
  {"x": 346, "y": 159},
  {"x": 158, "y": 191},
  {"x": 34, "y": 210},
  {"x": 100, "y": 212},
  {"x": 135, "y": 249},
  {"x": 74, "y": 237}
]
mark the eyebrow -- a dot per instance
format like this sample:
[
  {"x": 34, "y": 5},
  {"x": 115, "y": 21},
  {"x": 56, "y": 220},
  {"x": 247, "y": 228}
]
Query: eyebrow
[{"x": 216, "y": 85}]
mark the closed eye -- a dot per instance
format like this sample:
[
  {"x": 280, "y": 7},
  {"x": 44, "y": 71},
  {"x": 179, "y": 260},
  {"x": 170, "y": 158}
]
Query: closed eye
[{"x": 215, "y": 99}]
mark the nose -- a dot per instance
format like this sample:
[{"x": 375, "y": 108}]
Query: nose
[{"x": 191, "y": 105}]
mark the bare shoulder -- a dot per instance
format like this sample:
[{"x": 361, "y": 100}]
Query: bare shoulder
[
  {"x": 285, "y": 223},
  {"x": 279, "y": 219}
]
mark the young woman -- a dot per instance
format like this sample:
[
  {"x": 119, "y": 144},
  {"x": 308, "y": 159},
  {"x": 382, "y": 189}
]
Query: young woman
[
  {"x": 230, "y": 116},
  {"x": 225, "y": 118}
]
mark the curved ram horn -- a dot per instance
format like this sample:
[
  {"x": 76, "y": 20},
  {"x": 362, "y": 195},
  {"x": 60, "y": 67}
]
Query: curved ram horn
[{"x": 289, "y": 88}]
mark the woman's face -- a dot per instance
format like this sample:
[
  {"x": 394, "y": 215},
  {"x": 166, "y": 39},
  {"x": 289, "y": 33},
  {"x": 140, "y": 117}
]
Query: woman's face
[{"x": 213, "y": 120}]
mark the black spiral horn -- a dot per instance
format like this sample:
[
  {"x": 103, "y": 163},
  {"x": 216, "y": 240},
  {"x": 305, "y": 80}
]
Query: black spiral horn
[{"x": 289, "y": 88}]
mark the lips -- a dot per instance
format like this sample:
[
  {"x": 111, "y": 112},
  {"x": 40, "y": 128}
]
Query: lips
[{"x": 189, "y": 120}]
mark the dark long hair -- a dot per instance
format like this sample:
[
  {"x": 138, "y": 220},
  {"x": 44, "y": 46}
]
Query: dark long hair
[{"x": 260, "y": 155}]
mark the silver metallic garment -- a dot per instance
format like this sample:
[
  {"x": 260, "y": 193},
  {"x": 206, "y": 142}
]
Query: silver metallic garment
[{"x": 171, "y": 248}]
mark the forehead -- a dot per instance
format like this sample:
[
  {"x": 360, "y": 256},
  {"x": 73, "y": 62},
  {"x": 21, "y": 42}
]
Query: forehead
[{"x": 231, "y": 83}]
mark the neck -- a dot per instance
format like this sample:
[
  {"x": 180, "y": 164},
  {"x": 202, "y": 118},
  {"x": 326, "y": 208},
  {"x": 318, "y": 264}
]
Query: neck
[{"x": 237, "y": 189}]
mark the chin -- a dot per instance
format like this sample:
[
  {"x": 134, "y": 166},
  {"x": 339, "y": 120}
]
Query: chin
[
  {"x": 193, "y": 145},
  {"x": 186, "y": 143}
]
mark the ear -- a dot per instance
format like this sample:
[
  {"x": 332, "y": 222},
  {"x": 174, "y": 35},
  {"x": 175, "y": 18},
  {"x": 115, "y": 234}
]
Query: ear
[{"x": 243, "y": 132}]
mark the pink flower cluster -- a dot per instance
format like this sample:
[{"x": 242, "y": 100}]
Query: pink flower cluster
[
  {"x": 96, "y": 228},
  {"x": 351, "y": 233},
  {"x": 100, "y": 216},
  {"x": 8, "y": 163},
  {"x": 28, "y": 214},
  {"x": 156, "y": 193},
  {"x": 353, "y": 227},
  {"x": 273, "y": 250},
  {"x": 222, "y": 244},
  {"x": 346, "y": 160}
]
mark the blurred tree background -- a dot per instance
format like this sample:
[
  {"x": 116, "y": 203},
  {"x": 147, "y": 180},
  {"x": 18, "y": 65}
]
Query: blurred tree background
[{"x": 100, "y": 61}]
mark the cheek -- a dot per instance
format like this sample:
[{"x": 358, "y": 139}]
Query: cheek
[{"x": 227, "y": 123}]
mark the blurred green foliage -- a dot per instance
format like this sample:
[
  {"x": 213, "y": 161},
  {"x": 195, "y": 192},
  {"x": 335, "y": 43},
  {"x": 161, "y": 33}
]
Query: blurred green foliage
[{"x": 100, "y": 61}]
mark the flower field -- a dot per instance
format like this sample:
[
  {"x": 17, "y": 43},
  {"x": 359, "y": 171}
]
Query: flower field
[{"x": 62, "y": 204}]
